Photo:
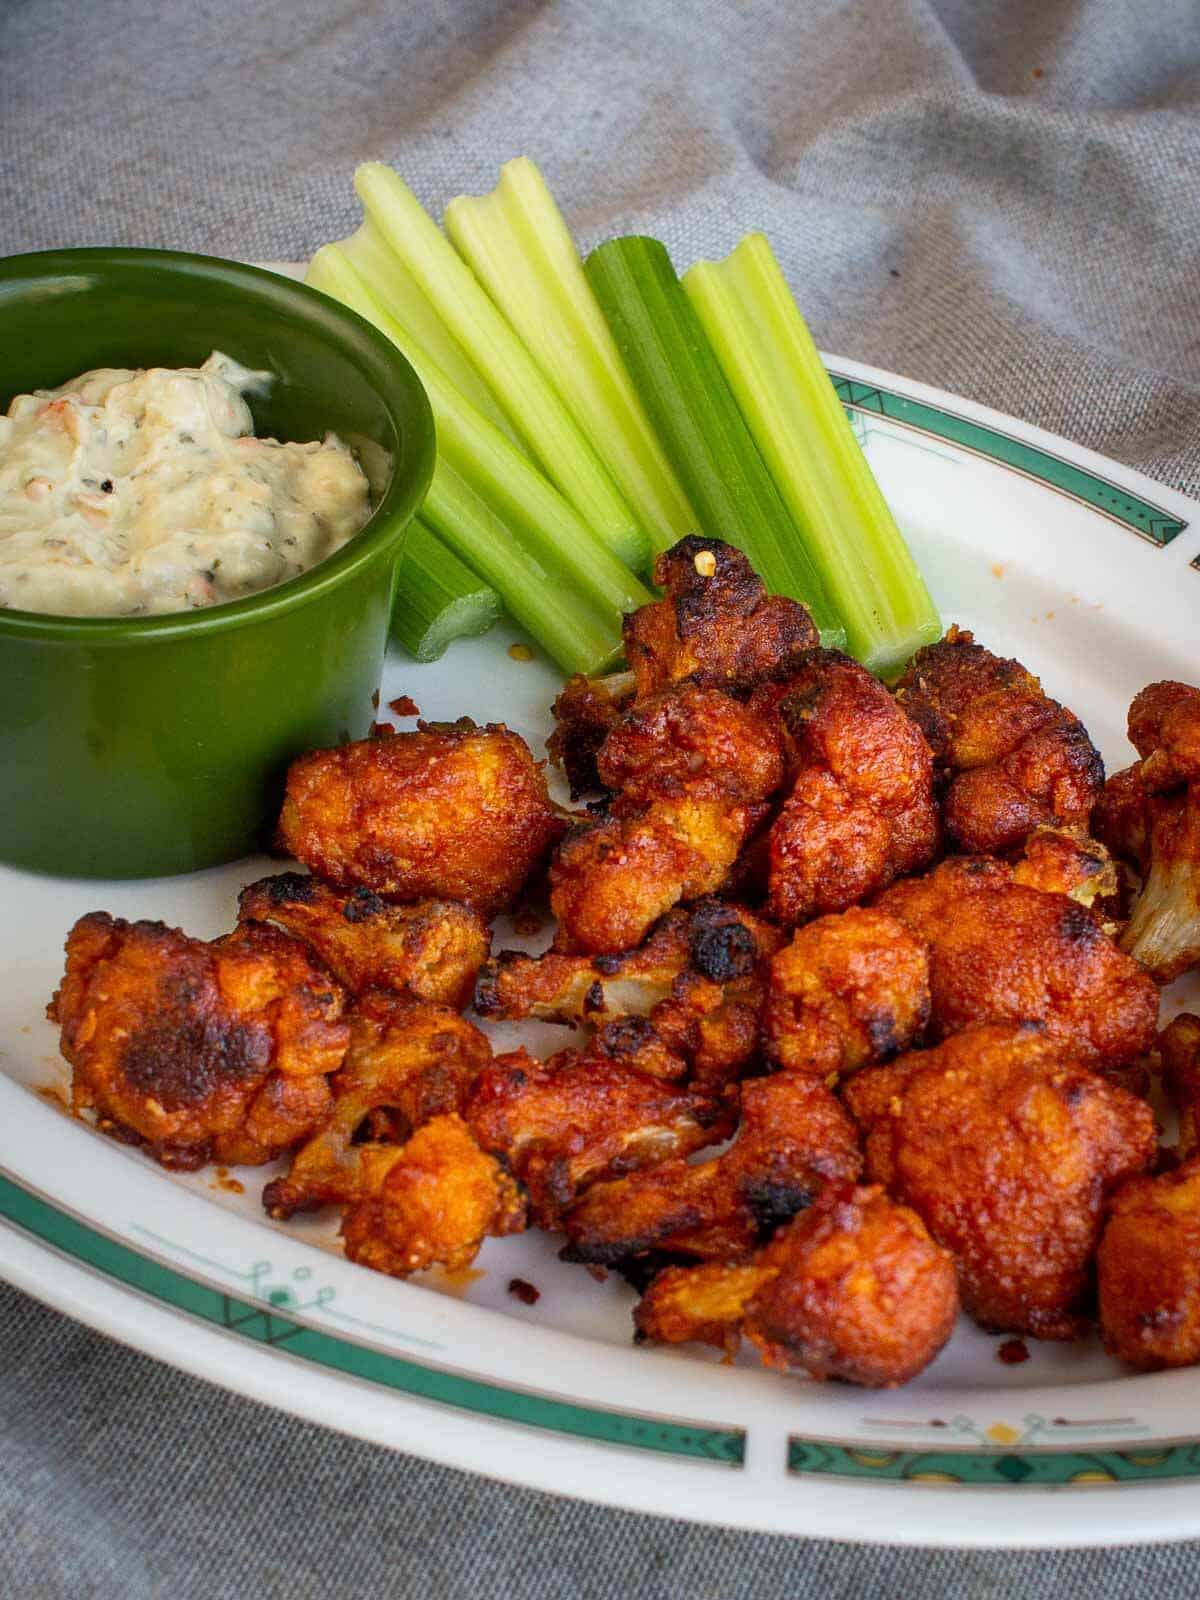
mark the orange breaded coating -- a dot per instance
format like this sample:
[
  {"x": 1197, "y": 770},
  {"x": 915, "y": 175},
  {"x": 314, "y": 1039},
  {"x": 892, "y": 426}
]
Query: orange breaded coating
[
  {"x": 431, "y": 949},
  {"x": 1179, "y": 1055},
  {"x": 1005, "y": 1145},
  {"x": 429, "y": 1202},
  {"x": 1067, "y": 861},
  {"x": 694, "y": 770},
  {"x": 793, "y": 1140},
  {"x": 850, "y": 990},
  {"x": 690, "y": 741},
  {"x": 1000, "y": 952},
  {"x": 1012, "y": 758},
  {"x": 408, "y": 1061},
  {"x": 451, "y": 811},
  {"x": 1150, "y": 816},
  {"x": 861, "y": 810},
  {"x": 568, "y": 1122},
  {"x": 611, "y": 881},
  {"x": 202, "y": 1052},
  {"x": 853, "y": 1288},
  {"x": 1148, "y": 1270},
  {"x": 698, "y": 979},
  {"x": 716, "y": 625},
  {"x": 585, "y": 713}
]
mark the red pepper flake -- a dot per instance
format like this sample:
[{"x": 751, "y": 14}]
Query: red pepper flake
[
  {"x": 375, "y": 701},
  {"x": 382, "y": 730},
  {"x": 524, "y": 1291},
  {"x": 1037, "y": 72},
  {"x": 404, "y": 706},
  {"x": 1013, "y": 1352}
]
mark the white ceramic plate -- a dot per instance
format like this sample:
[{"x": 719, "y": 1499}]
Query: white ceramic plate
[{"x": 1082, "y": 569}]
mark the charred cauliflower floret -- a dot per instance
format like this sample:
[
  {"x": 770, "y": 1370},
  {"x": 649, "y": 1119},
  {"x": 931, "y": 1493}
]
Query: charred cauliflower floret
[
  {"x": 716, "y": 625},
  {"x": 1005, "y": 1145},
  {"x": 450, "y": 811},
  {"x": 861, "y": 810},
  {"x": 854, "y": 1288},
  {"x": 1150, "y": 815},
  {"x": 793, "y": 1140},
  {"x": 408, "y": 1061},
  {"x": 698, "y": 980},
  {"x": 431, "y": 949},
  {"x": 202, "y": 1052},
  {"x": 1002, "y": 952},
  {"x": 563, "y": 1124},
  {"x": 428, "y": 1202},
  {"x": 1011, "y": 758},
  {"x": 850, "y": 990},
  {"x": 692, "y": 770}
]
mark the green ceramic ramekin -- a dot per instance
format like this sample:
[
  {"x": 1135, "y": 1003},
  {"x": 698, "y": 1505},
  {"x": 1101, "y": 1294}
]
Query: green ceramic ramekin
[{"x": 133, "y": 747}]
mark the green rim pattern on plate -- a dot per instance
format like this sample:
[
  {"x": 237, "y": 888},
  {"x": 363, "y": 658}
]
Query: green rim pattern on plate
[
  {"x": 995, "y": 1469},
  {"x": 265, "y": 1325},
  {"x": 1143, "y": 517}
]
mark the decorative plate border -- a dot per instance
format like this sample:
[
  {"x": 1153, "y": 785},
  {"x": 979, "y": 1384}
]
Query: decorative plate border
[
  {"x": 997, "y": 1468},
  {"x": 1151, "y": 522},
  {"x": 265, "y": 1323}
]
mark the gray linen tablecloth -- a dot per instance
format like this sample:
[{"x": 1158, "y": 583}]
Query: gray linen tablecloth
[{"x": 998, "y": 198}]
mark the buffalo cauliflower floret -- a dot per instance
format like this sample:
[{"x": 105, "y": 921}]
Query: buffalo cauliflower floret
[
  {"x": 1005, "y": 1145},
  {"x": 450, "y": 811},
  {"x": 850, "y": 990},
  {"x": 1150, "y": 815},
  {"x": 1011, "y": 758},
  {"x": 854, "y": 1288}
]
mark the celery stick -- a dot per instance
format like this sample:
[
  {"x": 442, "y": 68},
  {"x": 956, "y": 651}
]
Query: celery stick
[
  {"x": 394, "y": 286},
  {"x": 538, "y": 594},
  {"x": 438, "y": 597},
  {"x": 481, "y": 453},
  {"x": 690, "y": 403},
  {"x": 517, "y": 382},
  {"x": 798, "y": 423},
  {"x": 499, "y": 514},
  {"x": 519, "y": 247}
]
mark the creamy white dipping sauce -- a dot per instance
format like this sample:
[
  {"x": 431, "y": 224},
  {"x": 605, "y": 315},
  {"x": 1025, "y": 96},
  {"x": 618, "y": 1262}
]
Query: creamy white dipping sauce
[{"x": 129, "y": 493}]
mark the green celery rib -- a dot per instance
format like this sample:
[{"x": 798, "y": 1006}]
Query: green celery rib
[
  {"x": 514, "y": 377},
  {"x": 536, "y": 594},
  {"x": 394, "y": 286},
  {"x": 799, "y": 425},
  {"x": 552, "y": 573},
  {"x": 438, "y": 597},
  {"x": 690, "y": 403},
  {"x": 519, "y": 247}
]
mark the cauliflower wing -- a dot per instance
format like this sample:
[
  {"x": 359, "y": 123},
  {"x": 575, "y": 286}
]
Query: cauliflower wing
[
  {"x": 429, "y": 1202},
  {"x": 451, "y": 811},
  {"x": 793, "y": 1139},
  {"x": 1148, "y": 1270},
  {"x": 585, "y": 713},
  {"x": 1150, "y": 815},
  {"x": 431, "y": 949},
  {"x": 698, "y": 979},
  {"x": 694, "y": 770},
  {"x": 850, "y": 990},
  {"x": 565, "y": 1123},
  {"x": 853, "y": 1288},
  {"x": 1179, "y": 1056},
  {"x": 200, "y": 1051},
  {"x": 861, "y": 810},
  {"x": 1068, "y": 861},
  {"x": 1005, "y": 1146},
  {"x": 408, "y": 1061},
  {"x": 716, "y": 625},
  {"x": 1001, "y": 952},
  {"x": 1011, "y": 758}
]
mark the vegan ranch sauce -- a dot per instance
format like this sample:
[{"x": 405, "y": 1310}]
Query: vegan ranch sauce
[{"x": 128, "y": 493}]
